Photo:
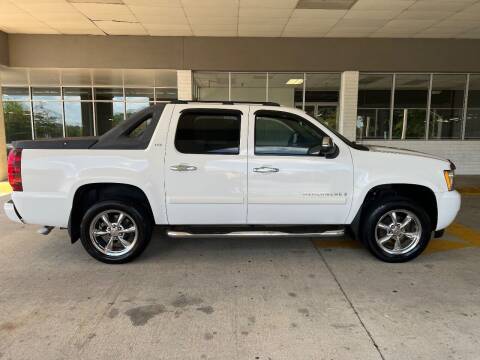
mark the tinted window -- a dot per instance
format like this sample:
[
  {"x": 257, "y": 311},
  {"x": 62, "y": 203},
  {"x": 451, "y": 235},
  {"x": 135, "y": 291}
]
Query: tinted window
[
  {"x": 280, "y": 135},
  {"x": 204, "y": 133}
]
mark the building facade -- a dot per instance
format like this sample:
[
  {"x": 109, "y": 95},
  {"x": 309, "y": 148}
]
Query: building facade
[{"x": 409, "y": 93}]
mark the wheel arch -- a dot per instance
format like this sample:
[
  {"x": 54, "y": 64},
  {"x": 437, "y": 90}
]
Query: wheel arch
[
  {"x": 420, "y": 194},
  {"x": 88, "y": 194}
]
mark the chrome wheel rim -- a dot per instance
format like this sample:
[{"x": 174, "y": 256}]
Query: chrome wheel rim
[
  {"x": 398, "y": 232},
  {"x": 113, "y": 232}
]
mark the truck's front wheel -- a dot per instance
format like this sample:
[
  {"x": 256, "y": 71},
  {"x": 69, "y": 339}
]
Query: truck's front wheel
[
  {"x": 114, "y": 231},
  {"x": 396, "y": 229}
]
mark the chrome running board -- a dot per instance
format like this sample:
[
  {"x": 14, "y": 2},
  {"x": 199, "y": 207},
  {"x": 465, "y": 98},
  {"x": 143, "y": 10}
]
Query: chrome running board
[{"x": 185, "y": 234}]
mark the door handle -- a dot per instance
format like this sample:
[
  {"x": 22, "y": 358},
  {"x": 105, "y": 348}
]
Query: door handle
[
  {"x": 266, "y": 169},
  {"x": 183, "y": 167}
]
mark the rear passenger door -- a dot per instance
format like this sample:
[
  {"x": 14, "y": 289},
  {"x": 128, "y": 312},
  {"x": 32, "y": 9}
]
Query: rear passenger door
[{"x": 206, "y": 165}]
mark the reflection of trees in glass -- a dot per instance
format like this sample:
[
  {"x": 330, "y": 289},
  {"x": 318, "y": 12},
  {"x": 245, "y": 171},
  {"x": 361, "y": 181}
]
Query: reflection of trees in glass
[
  {"x": 415, "y": 126},
  {"x": 47, "y": 119},
  {"x": 17, "y": 121}
]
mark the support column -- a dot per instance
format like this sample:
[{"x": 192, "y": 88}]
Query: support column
[
  {"x": 348, "y": 104},
  {"x": 3, "y": 143},
  {"x": 184, "y": 84}
]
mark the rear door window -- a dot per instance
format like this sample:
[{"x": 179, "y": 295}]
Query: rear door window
[{"x": 208, "y": 133}]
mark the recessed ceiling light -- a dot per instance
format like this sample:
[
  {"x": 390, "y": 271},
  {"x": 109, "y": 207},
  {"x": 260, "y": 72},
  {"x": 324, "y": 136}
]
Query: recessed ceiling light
[
  {"x": 326, "y": 4},
  {"x": 294, "y": 82}
]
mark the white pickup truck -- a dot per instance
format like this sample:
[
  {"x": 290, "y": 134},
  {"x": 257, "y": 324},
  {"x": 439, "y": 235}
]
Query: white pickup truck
[{"x": 229, "y": 169}]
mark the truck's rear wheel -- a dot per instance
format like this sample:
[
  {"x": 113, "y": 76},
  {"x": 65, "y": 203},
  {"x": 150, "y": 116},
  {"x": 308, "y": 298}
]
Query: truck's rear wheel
[
  {"x": 114, "y": 231},
  {"x": 396, "y": 229}
]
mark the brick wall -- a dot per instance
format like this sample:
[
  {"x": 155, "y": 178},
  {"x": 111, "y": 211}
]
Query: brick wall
[
  {"x": 184, "y": 83},
  {"x": 348, "y": 104}
]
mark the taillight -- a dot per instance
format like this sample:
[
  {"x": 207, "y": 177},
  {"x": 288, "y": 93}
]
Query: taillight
[{"x": 15, "y": 169}]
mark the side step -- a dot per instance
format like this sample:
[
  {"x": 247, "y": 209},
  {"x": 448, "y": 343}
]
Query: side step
[{"x": 185, "y": 234}]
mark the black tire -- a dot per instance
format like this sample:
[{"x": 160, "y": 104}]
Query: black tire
[
  {"x": 381, "y": 208},
  {"x": 137, "y": 216}
]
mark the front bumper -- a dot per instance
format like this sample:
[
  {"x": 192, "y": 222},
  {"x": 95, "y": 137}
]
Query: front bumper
[
  {"x": 11, "y": 212},
  {"x": 448, "y": 205}
]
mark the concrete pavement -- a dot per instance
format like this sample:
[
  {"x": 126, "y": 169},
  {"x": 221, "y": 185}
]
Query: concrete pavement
[{"x": 239, "y": 299}]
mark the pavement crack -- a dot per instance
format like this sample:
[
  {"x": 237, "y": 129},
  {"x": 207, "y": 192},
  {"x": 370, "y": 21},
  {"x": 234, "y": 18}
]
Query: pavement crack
[{"x": 369, "y": 334}]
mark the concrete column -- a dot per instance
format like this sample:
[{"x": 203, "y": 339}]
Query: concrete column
[
  {"x": 3, "y": 143},
  {"x": 348, "y": 104},
  {"x": 184, "y": 83}
]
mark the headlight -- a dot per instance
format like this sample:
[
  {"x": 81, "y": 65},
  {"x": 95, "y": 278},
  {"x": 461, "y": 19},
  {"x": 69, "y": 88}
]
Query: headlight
[{"x": 449, "y": 174}]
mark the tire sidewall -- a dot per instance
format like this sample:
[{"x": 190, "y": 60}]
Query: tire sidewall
[
  {"x": 142, "y": 224},
  {"x": 381, "y": 208}
]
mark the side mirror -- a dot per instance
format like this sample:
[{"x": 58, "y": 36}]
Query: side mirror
[{"x": 328, "y": 147}]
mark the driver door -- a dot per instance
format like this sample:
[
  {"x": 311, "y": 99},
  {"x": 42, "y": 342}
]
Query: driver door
[{"x": 288, "y": 181}]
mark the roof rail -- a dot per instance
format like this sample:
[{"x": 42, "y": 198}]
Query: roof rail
[{"x": 223, "y": 102}]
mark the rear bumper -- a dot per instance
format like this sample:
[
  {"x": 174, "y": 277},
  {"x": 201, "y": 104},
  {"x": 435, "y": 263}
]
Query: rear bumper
[
  {"x": 11, "y": 212},
  {"x": 448, "y": 204}
]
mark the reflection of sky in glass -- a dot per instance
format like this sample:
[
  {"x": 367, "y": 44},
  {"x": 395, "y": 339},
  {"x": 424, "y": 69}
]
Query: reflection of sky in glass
[
  {"x": 73, "y": 113},
  {"x": 137, "y": 106},
  {"x": 138, "y": 98},
  {"x": 118, "y": 108}
]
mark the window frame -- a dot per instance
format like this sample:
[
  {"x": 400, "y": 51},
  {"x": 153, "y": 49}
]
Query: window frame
[{"x": 210, "y": 111}]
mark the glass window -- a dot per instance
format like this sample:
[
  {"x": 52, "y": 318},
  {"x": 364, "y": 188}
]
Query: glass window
[
  {"x": 77, "y": 94},
  {"x": 78, "y": 118},
  {"x": 139, "y": 95},
  {"x": 137, "y": 99},
  {"x": 46, "y": 93},
  {"x": 76, "y": 77},
  {"x": 446, "y": 109},
  {"x": 108, "y": 115},
  {"x": 472, "y": 125},
  {"x": 285, "y": 89},
  {"x": 203, "y": 133},
  {"x": 410, "y": 109},
  {"x": 285, "y": 135},
  {"x": 47, "y": 119},
  {"x": 321, "y": 98},
  {"x": 45, "y": 77},
  {"x": 210, "y": 86},
  {"x": 15, "y": 93},
  {"x": 17, "y": 120},
  {"x": 109, "y": 94},
  {"x": 166, "y": 94},
  {"x": 134, "y": 107},
  {"x": 373, "y": 124},
  {"x": 249, "y": 87},
  {"x": 374, "y": 102}
]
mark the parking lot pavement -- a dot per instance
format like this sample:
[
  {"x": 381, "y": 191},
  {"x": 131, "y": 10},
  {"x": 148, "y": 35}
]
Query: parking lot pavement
[{"x": 239, "y": 299}]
